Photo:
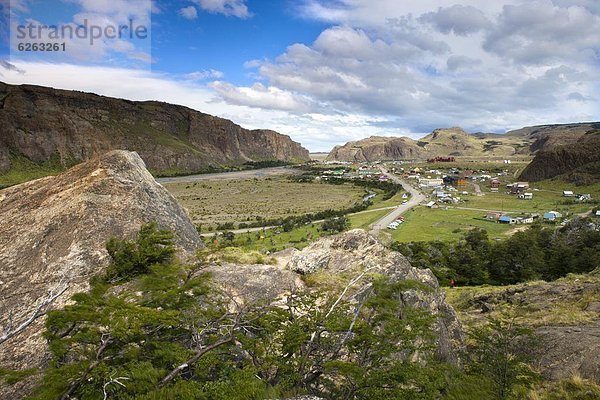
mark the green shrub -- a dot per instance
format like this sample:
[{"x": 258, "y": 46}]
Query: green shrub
[{"x": 132, "y": 258}]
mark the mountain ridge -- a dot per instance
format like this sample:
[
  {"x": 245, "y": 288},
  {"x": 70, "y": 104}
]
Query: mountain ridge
[
  {"x": 456, "y": 142},
  {"x": 43, "y": 124}
]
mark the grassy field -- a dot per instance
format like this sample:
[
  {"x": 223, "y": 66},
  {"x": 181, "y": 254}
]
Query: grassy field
[
  {"x": 364, "y": 220},
  {"x": 213, "y": 202},
  {"x": 424, "y": 224}
]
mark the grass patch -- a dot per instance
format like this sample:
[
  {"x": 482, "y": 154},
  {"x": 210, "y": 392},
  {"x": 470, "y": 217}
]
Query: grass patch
[
  {"x": 10, "y": 377},
  {"x": 574, "y": 388},
  {"x": 236, "y": 255},
  {"x": 364, "y": 220},
  {"x": 23, "y": 169}
]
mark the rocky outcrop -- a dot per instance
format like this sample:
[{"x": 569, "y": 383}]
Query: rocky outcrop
[
  {"x": 577, "y": 162},
  {"x": 356, "y": 252},
  {"x": 46, "y": 125},
  {"x": 562, "y": 315},
  {"x": 377, "y": 148},
  {"x": 53, "y": 233}
]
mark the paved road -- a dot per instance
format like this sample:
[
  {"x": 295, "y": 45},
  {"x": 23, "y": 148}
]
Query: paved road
[
  {"x": 247, "y": 174},
  {"x": 416, "y": 198}
]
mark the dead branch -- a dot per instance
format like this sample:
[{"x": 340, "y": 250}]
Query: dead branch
[
  {"x": 112, "y": 382},
  {"x": 9, "y": 330}
]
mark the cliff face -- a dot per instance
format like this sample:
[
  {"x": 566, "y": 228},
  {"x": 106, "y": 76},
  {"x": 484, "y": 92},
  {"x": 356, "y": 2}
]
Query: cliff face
[
  {"x": 577, "y": 162},
  {"x": 42, "y": 124},
  {"x": 53, "y": 233}
]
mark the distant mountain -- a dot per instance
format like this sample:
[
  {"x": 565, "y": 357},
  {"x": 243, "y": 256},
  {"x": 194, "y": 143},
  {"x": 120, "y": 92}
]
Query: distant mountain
[
  {"x": 457, "y": 142},
  {"x": 545, "y": 137},
  {"x": 377, "y": 148},
  {"x": 577, "y": 162},
  {"x": 41, "y": 125}
]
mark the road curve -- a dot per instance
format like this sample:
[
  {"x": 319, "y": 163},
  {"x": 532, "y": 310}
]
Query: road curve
[{"x": 416, "y": 198}]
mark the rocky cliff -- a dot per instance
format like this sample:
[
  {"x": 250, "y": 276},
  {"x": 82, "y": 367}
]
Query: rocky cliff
[
  {"x": 377, "y": 148},
  {"x": 577, "y": 162},
  {"x": 44, "y": 124},
  {"x": 53, "y": 233}
]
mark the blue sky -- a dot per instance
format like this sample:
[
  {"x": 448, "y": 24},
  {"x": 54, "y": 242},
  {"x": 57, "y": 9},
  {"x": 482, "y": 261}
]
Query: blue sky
[{"x": 329, "y": 71}]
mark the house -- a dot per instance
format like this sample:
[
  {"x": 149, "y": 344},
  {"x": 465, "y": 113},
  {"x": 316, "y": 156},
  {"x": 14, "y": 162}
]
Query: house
[
  {"x": 584, "y": 197},
  {"x": 493, "y": 216},
  {"x": 598, "y": 213},
  {"x": 432, "y": 204},
  {"x": 495, "y": 183},
  {"x": 524, "y": 220},
  {"x": 505, "y": 219},
  {"x": 526, "y": 196},
  {"x": 431, "y": 182},
  {"x": 519, "y": 187},
  {"x": 552, "y": 216},
  {"x": 568, "y": 193}
]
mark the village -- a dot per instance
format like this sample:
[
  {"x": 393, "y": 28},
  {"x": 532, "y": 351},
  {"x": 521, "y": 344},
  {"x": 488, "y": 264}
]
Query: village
[{"x": 492, "y": 189}]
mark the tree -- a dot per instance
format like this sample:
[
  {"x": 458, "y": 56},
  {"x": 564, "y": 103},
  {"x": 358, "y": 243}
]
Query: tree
[
  {"x": 500, "y": 353},
  {"x": 132, "y": 258},
  {"x": 335, "y": 225}
]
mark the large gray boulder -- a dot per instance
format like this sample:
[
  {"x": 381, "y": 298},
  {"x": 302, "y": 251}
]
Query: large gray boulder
[
  {"x": 53, "y": 233},
  {"x": 356, "y": 253}
]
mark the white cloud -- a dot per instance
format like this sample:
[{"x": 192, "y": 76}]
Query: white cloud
[
  {"x": 204, "y": 75},
  {"x": 461, "y": 20},
  {"x": 189, "y": 12},
  {"x": 263, "y": 97},
  {"x": 235, "y": 8},
  {"x": 486, "y": 66}
]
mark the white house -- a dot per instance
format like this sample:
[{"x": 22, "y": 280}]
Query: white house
[
  {"x": 432, "y": 204},
  {"x": 526, "y": 196},
  {"x": 568, "y": 193},
  {"x": 552, "y": 216},
  {"x": 431, "y": 182}
]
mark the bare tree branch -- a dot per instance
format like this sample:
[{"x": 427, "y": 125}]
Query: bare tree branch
[
  {"x": 8, "y": 330},
  {"x": 111, "y": 382}
]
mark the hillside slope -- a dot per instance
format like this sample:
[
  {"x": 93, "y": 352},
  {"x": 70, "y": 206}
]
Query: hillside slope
[
  {"x": 564, "y": 314},
  {"x": 577, "y": 162},
  {"x": 42, "y": 125}
]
